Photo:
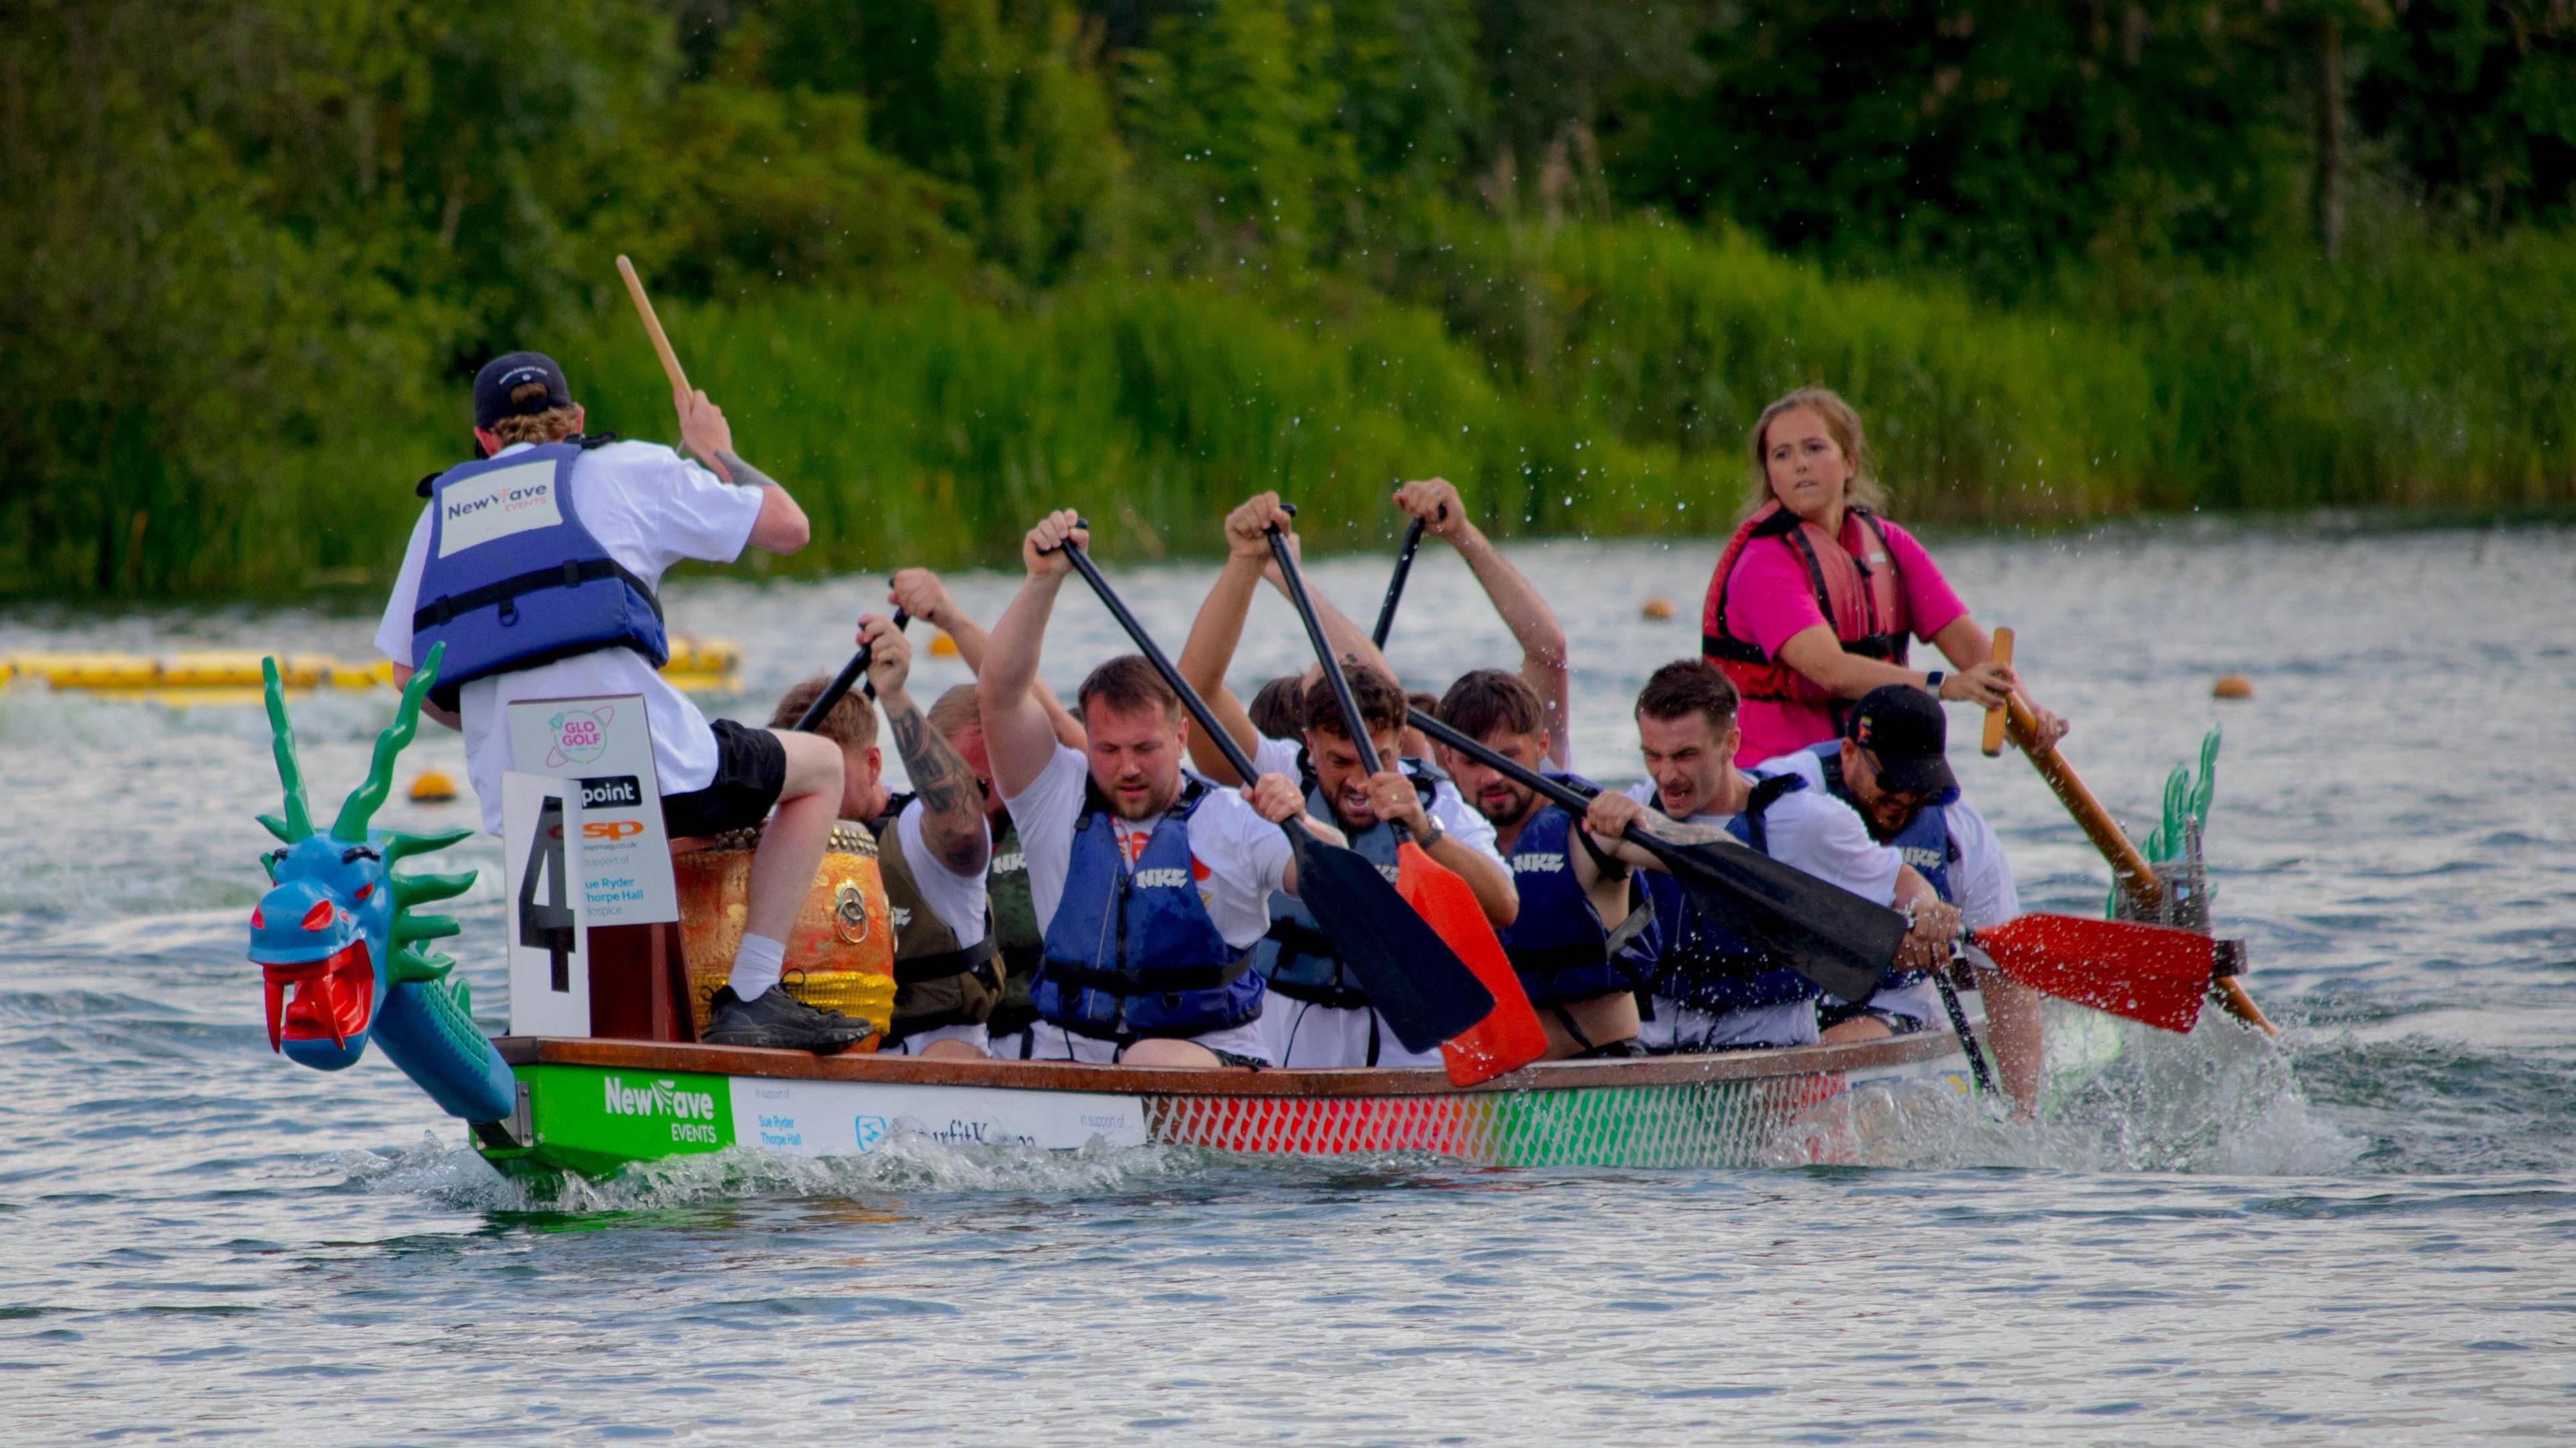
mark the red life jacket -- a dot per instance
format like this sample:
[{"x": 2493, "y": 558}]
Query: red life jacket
[{"x": 1865, "y": 605}]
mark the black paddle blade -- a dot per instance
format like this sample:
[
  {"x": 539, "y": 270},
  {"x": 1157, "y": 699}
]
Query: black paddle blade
[
  {"x": 1837, "y": 939},
  {"x": 1426, "y": 993}
]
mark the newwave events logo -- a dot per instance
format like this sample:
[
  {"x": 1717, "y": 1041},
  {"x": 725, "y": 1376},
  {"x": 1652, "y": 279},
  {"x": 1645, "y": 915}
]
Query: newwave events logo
[{"x": 659, "y": 1098}]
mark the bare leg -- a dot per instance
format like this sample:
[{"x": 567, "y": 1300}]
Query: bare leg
[
  {"x": 1168, "y": 1053},
  {"x": 1858, "y": 1028},
  {"x": 2012, "y": 1028},
  {"x": 951, "y": 1051},
  {"x": 791, "y": 848},
  {"x": 1604, "y": 1020}
]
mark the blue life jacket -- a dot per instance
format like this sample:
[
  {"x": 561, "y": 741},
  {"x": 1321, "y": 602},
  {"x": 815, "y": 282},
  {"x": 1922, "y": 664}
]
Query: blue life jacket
[
  {"x": 1703, "y": 964},
  {"x": 1558, "y": 943},
  {"x": 1925, "y": 842},
  {"x": 513, "y": 580},
  {"x": 1296, "y": 957},
  {"x": 1132, "y": 952}
]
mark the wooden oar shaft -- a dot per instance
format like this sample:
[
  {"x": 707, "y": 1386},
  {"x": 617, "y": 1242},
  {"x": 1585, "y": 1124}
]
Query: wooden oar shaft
[
  {"x": 2129, "y": 867},
  {"x": 653, "y": 326}
]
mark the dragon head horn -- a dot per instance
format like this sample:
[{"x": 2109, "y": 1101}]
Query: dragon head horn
[
  {"x": 298, "y": 822},
  {"x": 369, "y": 796}
]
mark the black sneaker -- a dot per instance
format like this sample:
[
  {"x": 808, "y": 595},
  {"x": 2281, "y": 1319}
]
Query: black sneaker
[{"x": 779, "y": 1020}]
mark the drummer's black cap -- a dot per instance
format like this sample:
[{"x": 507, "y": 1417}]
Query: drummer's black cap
[
  {"x": 508, "y": 373},
  {"x": 1905, "y": 729}
]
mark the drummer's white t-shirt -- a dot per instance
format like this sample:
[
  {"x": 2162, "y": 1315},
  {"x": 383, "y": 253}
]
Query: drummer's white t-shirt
[{"x": 650, "y": 508}]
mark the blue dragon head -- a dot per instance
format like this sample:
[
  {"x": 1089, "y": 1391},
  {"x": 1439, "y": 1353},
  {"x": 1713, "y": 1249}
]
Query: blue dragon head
[{"x": 335, "y": 932}]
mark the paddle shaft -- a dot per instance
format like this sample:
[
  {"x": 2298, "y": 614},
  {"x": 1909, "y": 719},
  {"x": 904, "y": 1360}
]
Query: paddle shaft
[
  {"x": 2129, "y": 868},
  {"x": 653, "y": 327},
  {"x": 841, "y": 682},
  {"x": 1959, "y": 1022},
  {"x": 1993, "y": 742},
  {"x": 1395, "y": 583},
  {"x": 1333, "y": 674},
  {"x": 1190, "y": 700}
]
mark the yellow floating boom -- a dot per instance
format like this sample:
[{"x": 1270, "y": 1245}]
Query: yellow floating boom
[{"x": 232, "y": 676}]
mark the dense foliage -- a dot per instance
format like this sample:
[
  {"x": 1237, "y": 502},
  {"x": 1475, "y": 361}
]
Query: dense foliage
[{"x": 947, "y": 261}]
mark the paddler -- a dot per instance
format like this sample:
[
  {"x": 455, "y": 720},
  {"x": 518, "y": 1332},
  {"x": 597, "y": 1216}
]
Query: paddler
[
  {"x": 536, "y": 566},
  {"x": 1523, "y": 610},
  {"x": 1712, "y": 990},
  {"x": 1892, "y": 767},
  {"x": 1151, "y": 887},
  {"x": 1320, "y": 1014},
  {"x": 1585, "y": 941},
  {"x": 959, "y": 719},
  {"x": 1816, "y": 595},
  {"x": 933, "y": 846}
]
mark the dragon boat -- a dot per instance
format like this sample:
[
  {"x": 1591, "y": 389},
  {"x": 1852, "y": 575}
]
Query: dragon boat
[{"x": 343, "y": 953}]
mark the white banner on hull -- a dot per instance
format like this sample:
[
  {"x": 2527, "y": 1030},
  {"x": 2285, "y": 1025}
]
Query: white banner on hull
[{"x": 843, "y": 1118}]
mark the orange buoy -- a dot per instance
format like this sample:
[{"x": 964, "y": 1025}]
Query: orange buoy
[
  {"x": 2232, "y": 686},
  {"x": 942, "y": 646},
  {"x": 432, "y": 787},
  {"x": 1658, "y": 609}
]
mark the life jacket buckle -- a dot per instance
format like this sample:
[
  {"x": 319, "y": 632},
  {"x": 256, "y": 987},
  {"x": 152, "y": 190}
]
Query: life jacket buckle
[{"x": 509, "y": 610}]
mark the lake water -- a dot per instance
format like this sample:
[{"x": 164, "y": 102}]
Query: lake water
[{"x": 2366, "y": 1233}]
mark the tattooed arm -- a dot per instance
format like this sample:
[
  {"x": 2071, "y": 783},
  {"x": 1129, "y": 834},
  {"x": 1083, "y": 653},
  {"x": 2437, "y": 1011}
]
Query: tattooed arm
[
  {"x": 952, "y": 804},
  {"x": 706, "y": 436}
]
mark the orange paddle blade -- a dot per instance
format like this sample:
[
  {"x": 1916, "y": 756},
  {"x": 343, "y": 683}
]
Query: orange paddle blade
[
  {"x": 1509, "y": 1037},
  {"x": 2150, "y": 973}
]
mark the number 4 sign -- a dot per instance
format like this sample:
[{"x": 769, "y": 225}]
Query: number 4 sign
[{"x": 549, "y": 916}]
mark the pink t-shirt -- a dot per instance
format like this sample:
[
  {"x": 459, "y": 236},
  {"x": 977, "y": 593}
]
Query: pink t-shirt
[{"x": 1770, "y": 600}]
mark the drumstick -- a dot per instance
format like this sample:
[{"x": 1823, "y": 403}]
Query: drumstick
[{"x": 653, "y": 326}]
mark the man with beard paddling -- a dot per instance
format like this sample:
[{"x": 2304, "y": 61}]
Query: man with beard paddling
[
  {"x": 1713, "y": 991},
  {"x": 1151, "y": 887},
  {"x": 1581, "y": 974},
  {"x": 1891, "y": 766},
  {"x": 1322, "y": 1017}
]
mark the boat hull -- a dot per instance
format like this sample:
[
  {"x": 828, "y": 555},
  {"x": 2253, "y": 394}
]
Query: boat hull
[{"x": 594, "y": 1107}]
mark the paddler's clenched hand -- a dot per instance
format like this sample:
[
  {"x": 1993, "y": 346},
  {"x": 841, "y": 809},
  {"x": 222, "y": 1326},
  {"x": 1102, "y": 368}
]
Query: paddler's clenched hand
[
  {"x": 704, "y": 433},
  {"x": 918, "y": 591},
  {"x": 1042, "y": 552},
  {"x": 1247, "y": 527},
  {"x": 1610, "y": 814},
  {"x": 1275, "y": 797},
  {"x": 1435, "y": 501},
  {"x": 1391, "y": 796},
  {"x": 889, "y": 654},
  {"x": 1927, "y": 942}
]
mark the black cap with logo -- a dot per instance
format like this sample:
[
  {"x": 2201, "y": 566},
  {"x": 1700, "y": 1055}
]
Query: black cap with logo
[
  {"x": 1905, "y": 730},
  {"x": 505, "y": 374}
]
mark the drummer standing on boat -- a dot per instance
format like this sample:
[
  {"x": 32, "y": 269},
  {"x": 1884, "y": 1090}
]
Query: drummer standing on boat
[
  {"x": 933, "y": 846},
  {"x": 1712, "y": 989},
  {"x": 1151, "y": 887},
  {"x": 536, "y": 565},
  {"x": 1815, "y": 598}
]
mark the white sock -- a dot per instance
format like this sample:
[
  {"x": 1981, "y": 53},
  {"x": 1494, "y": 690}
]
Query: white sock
[{"x": 757, "y": 965}]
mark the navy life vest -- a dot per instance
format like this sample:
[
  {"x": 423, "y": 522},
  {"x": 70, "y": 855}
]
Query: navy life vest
[
  {"x": 1925, "y": 842},
  {"x": 1296, "y": 957},
  {"x": 1557, "y": 943},
  {"x": 1703, "y": 964},
  {"x": 513, "y": 580},
  {"x": 1132, "y": 952}
]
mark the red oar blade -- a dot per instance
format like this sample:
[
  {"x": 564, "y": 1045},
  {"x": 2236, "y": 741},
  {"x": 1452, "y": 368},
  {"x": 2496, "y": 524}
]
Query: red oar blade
[
  {"x": 1509, "y": 1037},
  {"x": 2149, "y": 973}
]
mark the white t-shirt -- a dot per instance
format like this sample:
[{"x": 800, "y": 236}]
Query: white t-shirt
[
  {"x": 1245, "y": 856},
  {"x": 1981, "y": 879},
  {"x": 958, "y": 900},
  {"x": 650, "y": 508},
  {"x": 1819, "y": 834},
  {"x": 1447, "y": 807}
]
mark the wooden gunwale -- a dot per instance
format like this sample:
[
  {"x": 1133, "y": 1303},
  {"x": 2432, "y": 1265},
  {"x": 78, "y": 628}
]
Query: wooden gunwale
[{"x": 1790, "y": 1061}]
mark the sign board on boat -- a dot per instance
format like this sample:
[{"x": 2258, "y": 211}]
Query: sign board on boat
[
  {"x": 606, "y": 746},
  {"x": 549, "y": 915}
]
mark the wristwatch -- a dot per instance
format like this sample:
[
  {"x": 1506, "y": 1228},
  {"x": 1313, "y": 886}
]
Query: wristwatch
[
  {"x": 1932, "y": 680},
  {"x": 1432, "y": 836}
]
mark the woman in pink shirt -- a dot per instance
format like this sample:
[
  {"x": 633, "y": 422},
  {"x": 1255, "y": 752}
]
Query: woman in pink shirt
[{"x": 1815, "y": 598}]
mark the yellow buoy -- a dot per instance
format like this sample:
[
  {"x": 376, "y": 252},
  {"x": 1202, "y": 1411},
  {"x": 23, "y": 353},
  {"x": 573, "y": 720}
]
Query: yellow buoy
[
  {"x": 433, "y": 787},
  {"x": 942, "y": 646},
  {"x": 2232, "y": 686},
  {"x": 1659, "y": 608}
]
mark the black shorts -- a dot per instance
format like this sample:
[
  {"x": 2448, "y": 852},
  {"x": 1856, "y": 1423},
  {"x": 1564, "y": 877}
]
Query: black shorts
[{"x": 751, "y": 768}]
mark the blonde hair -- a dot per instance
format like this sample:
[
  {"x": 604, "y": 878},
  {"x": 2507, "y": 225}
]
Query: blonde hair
[
  {"x": 552, "y": 425},
  {"x": 1842, "y": 424}
]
